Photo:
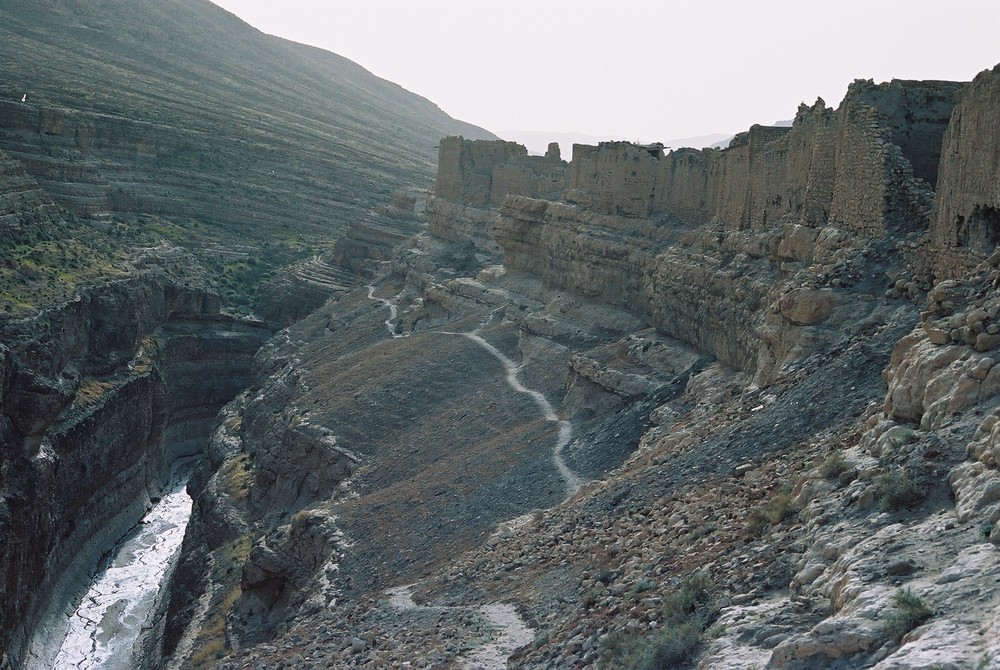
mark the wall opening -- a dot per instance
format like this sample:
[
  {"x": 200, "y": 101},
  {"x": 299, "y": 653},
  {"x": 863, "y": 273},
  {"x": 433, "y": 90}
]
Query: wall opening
[{"x": 981, "y": 230}]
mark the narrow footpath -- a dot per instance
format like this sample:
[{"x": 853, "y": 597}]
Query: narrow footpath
[
  {"x": 509, "y": 630},
  {"x": 570, "y": 478}
]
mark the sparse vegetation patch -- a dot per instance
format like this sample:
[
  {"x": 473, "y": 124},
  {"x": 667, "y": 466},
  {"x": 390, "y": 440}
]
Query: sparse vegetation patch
[
  {"x": 774, "y": 511},
  {"x": 909, "y": 611},
  {"x": 688, "y": 612},
  {"x": 834, "y": 466},
  {"x": 900, "y": 490}
]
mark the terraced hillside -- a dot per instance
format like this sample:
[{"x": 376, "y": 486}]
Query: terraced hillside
[
  {"x": 158, "y": 162},
  {"x": 175, "y": 120}
]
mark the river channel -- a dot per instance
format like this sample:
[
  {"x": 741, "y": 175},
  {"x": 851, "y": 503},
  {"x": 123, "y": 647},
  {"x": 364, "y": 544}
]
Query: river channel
[{"x": 111, "y": 615}]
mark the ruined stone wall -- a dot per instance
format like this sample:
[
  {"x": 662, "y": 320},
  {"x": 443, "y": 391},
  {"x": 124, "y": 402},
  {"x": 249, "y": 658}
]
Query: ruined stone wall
[
  {"x": 859, "y": 193},
  {"x": 966, "y": 213},
  {"x": 915, "y": 113},
  {"x": 839, "y": 168},
  {"x": 529, "y": 176},
  {"x": 753, "y": 178},
  {"x": 614, "y": 178},
  {"x": 888, "y": 144},
  {"x": 814, "y": 135},
  {"x": 465, "y": 168},
  {"x": 684, "y": 187},
  {"x": 831, "y": 167},
  {"x": 751, "y": 184}
]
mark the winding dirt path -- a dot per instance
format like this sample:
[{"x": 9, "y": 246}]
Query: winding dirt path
[
  {"x": 393, "y": 312},
  {"x": 570, "y": 478},
  {"x": 510, "y": 631}
]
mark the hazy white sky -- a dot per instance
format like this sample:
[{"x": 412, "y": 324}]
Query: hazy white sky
[{"x": 641, "y": 69}]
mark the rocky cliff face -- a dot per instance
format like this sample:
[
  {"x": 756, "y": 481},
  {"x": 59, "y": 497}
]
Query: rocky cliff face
[
  {"x": 100, "y": 396},
  {"x": 743, "y": 252},
  {"x": 772, "y": 456},
  {"x": 965, "y": 214}
]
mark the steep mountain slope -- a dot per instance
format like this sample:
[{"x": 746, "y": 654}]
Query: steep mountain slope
[
  {"x": 176, "y": 120},
  {"x": 166, "y": 160}
]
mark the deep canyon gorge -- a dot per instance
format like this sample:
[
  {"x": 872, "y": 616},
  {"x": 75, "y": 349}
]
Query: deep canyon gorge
[{"x": 447, "y": 404}]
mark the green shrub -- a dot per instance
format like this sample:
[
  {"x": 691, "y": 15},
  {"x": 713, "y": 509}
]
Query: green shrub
[
  {"x": 667, "y": 648},
  {"x": 691, "y": 599},
  {"x": 898, "y": 490},
  {"x": 770, "y": 513},
  {"x": 909, "y": 611},
  {"x": 688, "y": 611},
  {"x": 644, "y": 585},
  {"x": 834, "y": 466}
]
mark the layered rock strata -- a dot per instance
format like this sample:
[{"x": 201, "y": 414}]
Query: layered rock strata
[
  {"x": 366, "y": 246},
  {"x": 373, "y": 239},
  {"x": 184, "y": 123},
  {"x": 100, "y": 396}
]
